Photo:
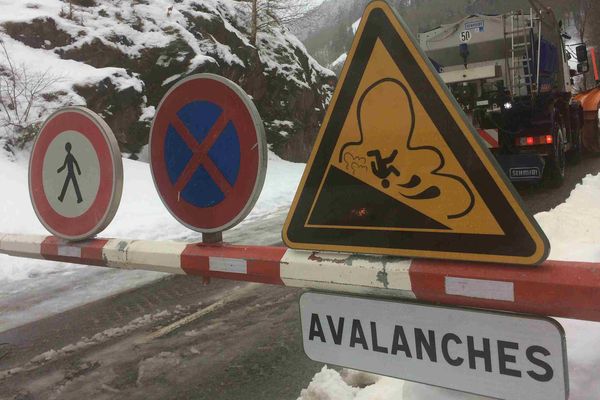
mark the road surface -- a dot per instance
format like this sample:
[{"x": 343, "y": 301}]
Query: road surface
[{"x": 180, "y": 339}]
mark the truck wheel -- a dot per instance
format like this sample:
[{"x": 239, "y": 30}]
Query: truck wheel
[
  {"x": 575, "y": 155},
  {"x": 556, "y": 163}
]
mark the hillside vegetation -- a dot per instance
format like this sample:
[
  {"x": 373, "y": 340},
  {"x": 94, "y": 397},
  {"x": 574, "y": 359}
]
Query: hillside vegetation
[{"x": 119, "y": 57}]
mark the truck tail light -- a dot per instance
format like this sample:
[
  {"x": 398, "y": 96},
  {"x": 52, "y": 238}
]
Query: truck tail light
[{"x": 534, "y": 140}]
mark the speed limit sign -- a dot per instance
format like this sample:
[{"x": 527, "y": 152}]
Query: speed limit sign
[{"x": 465, "y": 36}]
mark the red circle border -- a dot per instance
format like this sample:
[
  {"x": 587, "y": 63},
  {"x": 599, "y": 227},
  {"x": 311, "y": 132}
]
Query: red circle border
[
  {"x": 205, "y": 89},
  {"x": 86, "y": 223}
]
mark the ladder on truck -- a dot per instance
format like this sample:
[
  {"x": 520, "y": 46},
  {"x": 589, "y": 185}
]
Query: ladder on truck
[{"x": 521, "y": 55}]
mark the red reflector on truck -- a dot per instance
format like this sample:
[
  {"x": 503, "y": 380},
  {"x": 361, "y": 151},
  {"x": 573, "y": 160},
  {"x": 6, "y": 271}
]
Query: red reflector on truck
[
  {"x": 490, "y": 136},
  {"x": 549, "y": 139},
  {"x": 529, "y": 140}
]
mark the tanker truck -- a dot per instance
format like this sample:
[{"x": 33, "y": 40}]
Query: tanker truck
[{"x": 510, "y": 74}]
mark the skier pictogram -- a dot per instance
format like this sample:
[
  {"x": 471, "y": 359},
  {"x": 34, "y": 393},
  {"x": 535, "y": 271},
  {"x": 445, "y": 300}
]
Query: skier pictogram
[
  {"x": 70, "y": 161},
  {"x": 382, "y": 167}
]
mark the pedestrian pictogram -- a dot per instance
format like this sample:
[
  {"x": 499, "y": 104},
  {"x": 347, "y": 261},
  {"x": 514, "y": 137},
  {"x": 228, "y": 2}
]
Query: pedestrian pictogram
[
  {"x": 397, "y": 168},
  {"x": 70, "y": 164},
  {"x": 208, "y": 153},
  {"x": 75, "y": 174}
]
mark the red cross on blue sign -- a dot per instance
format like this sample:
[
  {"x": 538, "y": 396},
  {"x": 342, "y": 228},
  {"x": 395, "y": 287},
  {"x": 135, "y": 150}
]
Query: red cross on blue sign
[
  {"x": 202, "y": 153},
  {"x": 208, "y": 153}
]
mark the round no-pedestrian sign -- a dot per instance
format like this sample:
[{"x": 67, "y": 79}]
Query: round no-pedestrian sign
[
  {"x": 75, "y": 174},
  {"x": 208, "y": 153}
]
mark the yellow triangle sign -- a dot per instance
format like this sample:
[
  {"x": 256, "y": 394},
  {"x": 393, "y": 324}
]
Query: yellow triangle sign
[{"x": 397, "y": 168}]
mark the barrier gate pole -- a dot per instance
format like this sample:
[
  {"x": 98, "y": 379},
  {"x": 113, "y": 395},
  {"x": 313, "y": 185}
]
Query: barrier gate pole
[{"x": 555, "y": 288}]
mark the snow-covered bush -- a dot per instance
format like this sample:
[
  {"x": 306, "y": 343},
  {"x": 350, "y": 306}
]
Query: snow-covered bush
[{"x": 21, "y": 90}]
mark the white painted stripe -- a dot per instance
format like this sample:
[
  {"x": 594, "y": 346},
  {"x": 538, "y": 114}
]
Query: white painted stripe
[
  {"x": 481, "y": 289},
  {"x": 144, "y": 255},
  {"x": 349, "y": 273},
  {"x": 232, "y": 296},
  {"x": 232, "y": 265},
  {"x": 69, "y": 251},
  {"x": 22, "y": 245}
]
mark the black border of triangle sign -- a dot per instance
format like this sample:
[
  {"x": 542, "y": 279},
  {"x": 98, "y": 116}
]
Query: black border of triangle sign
[{"x": 523, "y": 243}]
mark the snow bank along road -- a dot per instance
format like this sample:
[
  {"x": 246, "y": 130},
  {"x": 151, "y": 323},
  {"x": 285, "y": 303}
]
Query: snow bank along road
[{"x": 176, "y": 338}]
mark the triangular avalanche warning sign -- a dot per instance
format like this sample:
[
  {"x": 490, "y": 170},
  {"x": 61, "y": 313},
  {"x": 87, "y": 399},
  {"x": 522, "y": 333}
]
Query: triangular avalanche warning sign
[{"x": 398, "y": 169}]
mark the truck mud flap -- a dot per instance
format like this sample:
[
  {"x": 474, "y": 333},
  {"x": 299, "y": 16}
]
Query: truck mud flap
[{"x": 522, "y": 167}]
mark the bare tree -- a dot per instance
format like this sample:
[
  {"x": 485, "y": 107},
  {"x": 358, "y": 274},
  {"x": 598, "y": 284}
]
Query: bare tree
[
  {"x": 582, "y": 19},
  {"x": 593, "y": 30},
  {"x": 254, "y": 23},
  {"x": 68, "y": 13},
  {"x": 265, "y": 13},
  {"x": 21, "y": 91}
]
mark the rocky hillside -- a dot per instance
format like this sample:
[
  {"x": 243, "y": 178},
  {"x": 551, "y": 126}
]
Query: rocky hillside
[{"x": 119, "y": 57}]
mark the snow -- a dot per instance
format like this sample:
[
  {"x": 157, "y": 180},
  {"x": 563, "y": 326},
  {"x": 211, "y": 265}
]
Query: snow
[
  {"x": 225, "y": 53},
  {"x": 148, "y": 113},
  {"x": 270, "y": 55},
  {"x": 339, "y": 61},
  {"x": 64, "y": 74},
  {"x": 140, "y": 216},
  {"x": 573, "y": 229},
  {"x": 132, "y": 28},
  {"x": 328, "y": 384},
  {"x": 355, "y": 25},
  {"x": 85, "y": 342},
  {"x": 282, "y": 125},
  {"x": 74, "y": 70},
  {"x": 143, "y": 25}
]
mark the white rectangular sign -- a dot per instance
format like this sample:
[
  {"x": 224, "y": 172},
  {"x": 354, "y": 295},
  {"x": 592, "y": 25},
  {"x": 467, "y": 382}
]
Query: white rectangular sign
[{"x": 506, "y": 356}]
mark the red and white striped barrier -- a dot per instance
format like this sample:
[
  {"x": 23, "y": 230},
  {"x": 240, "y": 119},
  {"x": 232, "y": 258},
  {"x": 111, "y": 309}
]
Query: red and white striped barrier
[
  {"x": 490, "y": 136},
  {"x": 555, "y": 288}
]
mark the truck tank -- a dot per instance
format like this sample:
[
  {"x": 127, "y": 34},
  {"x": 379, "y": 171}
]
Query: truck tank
[
  {"x": 484, "y": 35},
  {"x": 501, "y": 49}
]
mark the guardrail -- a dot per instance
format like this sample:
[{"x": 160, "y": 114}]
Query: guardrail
[{"x": 556, "y": 288}]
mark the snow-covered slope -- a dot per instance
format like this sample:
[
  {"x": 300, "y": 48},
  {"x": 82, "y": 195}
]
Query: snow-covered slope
[
  {"x": 120, "y": 56},
  {"x": 337, "y": 65}
]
